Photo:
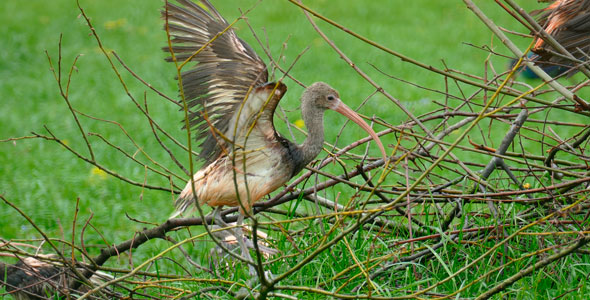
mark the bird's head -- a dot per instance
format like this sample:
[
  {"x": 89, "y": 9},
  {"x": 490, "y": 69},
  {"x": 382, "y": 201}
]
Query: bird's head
[{"x": 320, "y": 96}]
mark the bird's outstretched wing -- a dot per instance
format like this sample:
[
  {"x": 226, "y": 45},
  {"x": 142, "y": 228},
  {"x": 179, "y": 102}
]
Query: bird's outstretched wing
[
  {"x": 226, "y": 73},
  {"x": 568, "y": 21}
]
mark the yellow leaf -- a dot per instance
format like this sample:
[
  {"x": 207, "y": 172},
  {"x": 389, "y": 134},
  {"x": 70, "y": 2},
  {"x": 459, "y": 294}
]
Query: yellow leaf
[
  {"x": 114, "y": 24},
  {"x": 299, "y": 123},
  {"x": 98, "y": 173}
]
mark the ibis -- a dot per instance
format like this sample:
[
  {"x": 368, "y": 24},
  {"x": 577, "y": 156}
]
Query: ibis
[{"x": 230, "y": 111}]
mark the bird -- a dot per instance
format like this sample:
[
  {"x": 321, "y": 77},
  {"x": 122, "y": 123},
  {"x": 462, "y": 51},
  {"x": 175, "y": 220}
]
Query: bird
[
  {"x": 568, "y": 22},
  {"x": 33, "y": 278},
  {"x": 231, "y": 105},
  {"x": 30, "y": 278},
  {"x": 551, "y": 69}
]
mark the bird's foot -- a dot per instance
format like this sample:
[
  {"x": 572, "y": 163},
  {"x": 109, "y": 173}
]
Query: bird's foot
[
  {"x": 247, "y": 291},
  {"x": 243, "y": 293},
  {"x": 269, "y": 275},
  {"x": 252, "y": 271}
]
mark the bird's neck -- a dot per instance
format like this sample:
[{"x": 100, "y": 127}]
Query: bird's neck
[{"x": 312, "y": 146}]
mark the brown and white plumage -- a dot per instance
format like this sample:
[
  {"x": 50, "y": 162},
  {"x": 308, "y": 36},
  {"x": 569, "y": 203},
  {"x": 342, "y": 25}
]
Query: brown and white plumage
[
  {"x": 34, "y": 279},
  {"x": 31, "y": 279},
  {"x": 252, "y": 159},
  {"x": 231, "y": 109},
  {"x": 216, "y": 87},
  {"x": 568, "y": 21}
]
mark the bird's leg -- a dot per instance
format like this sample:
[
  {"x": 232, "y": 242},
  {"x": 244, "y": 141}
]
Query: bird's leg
[
  {"x": 217, "y": 219},
  {"x": 216, "y": 251},
  {"x": 238, "y": 233},
  {"x": 241, "y": 241}
]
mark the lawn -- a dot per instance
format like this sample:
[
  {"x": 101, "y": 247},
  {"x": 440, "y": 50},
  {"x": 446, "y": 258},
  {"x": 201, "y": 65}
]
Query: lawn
[{"x": 60, "y": 192}]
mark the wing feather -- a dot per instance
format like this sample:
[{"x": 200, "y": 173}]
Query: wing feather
[
  {"x": 568, "y": 21},
  {"x": 226, "y": 70}
]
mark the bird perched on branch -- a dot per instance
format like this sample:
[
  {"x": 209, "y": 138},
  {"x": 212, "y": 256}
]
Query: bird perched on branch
[
  {"x": 568, "y": 22},
  {"x": 230, "y": 109}
]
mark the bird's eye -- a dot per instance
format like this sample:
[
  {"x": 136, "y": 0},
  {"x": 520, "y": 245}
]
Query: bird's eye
[{"x": 331, "y": 97}]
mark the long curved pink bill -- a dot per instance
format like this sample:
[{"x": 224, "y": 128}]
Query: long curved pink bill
[{"x": 353, "y": 116}]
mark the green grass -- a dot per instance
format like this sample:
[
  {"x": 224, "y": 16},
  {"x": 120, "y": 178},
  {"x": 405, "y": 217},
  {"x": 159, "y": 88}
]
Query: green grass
[{"x": 45, "y": 181}]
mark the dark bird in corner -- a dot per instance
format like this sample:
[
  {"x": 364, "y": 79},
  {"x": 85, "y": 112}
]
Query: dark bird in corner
[
  {"x": 231, "y": 106},
  {"x": 34, "y": 279},
  {"x": 568, "y": 22},
  {"x": 31, "y": 279}
]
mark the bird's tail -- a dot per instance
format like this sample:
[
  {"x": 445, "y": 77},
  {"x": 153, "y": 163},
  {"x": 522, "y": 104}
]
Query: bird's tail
[{"x": 184, "y": 202}]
